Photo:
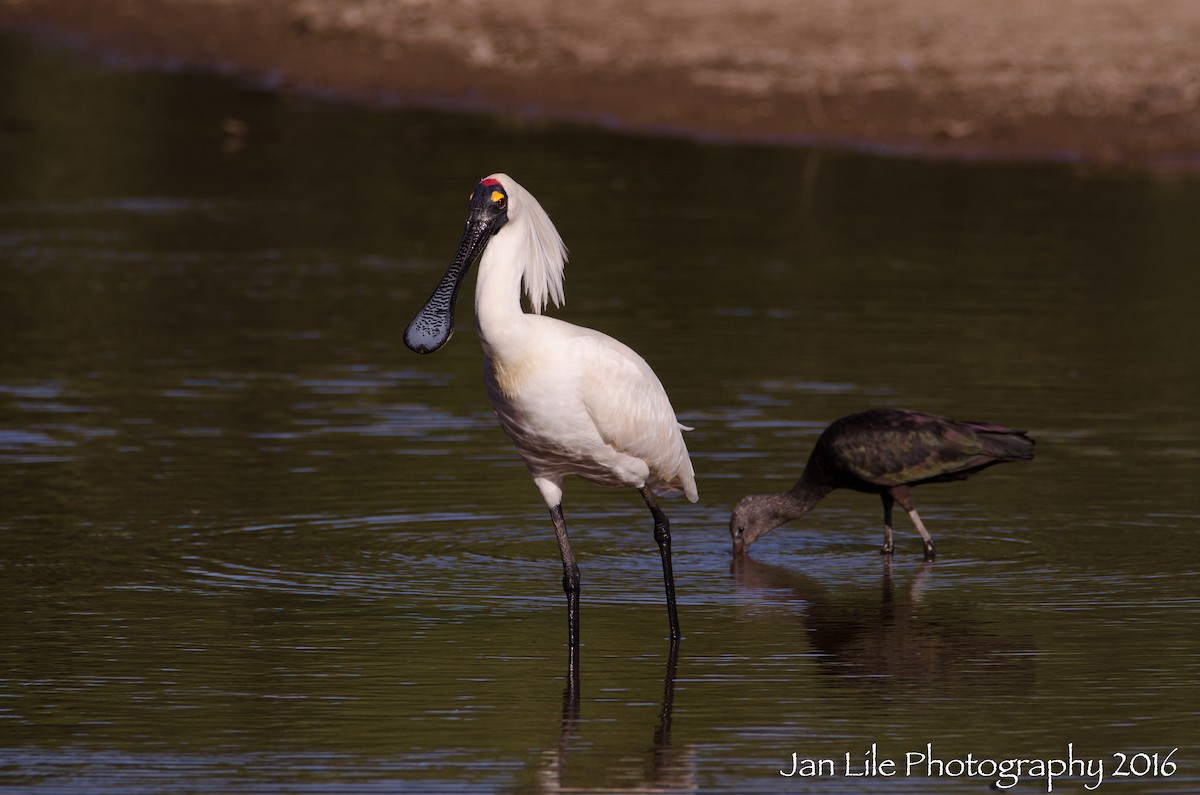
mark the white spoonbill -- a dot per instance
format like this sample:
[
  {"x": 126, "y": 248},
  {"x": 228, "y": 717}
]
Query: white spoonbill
[{"x": 573, "y": 401}]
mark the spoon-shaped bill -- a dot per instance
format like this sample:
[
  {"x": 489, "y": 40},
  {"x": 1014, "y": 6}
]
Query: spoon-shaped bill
[{"x": 434, "y": 324}]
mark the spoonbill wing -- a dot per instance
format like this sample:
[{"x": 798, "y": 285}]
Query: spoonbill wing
[{"x": 633, "y": 414}]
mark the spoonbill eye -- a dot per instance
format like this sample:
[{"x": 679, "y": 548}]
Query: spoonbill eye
[{"x": 498, "y": 198}]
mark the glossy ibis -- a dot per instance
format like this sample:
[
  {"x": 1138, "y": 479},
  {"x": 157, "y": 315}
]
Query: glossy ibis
[
  {"x": 573, "y": 401},
  {"x": 885, "y": 452}
]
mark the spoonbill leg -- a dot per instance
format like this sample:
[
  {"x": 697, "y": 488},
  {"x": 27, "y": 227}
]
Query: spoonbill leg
[{"x": 662, "y": 534}]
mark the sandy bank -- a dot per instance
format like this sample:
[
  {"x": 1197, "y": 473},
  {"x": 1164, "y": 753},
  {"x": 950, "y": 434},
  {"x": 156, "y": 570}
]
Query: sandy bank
[{"x": 1101, "y": 80}]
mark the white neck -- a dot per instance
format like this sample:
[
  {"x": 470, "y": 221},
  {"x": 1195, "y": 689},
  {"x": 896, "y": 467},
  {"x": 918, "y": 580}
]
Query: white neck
[{"x": 498, "y": 313}]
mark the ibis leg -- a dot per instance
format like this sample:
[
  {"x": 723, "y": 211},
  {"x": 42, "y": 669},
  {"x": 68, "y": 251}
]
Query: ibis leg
[
  {"x": 930, "y": 552},
  {"x": 570, "y": 579},
  {"x": 887, "y": 523},
  {"x": 904, "y": 497},
  {"x": 662, "y": 534}
]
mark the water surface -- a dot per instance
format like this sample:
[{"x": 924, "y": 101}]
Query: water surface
[{"x": 251, "y": 542}]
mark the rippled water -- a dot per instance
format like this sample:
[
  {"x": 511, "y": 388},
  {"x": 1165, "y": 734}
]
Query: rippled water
[{"x": 250, "y": 542}]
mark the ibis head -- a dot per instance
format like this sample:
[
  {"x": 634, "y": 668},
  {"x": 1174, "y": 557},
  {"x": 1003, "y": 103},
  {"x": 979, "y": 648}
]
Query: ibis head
[
  {"x": 758, "y": 514},
  {"x": 433, "y": 325}
]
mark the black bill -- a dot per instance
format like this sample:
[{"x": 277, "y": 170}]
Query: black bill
[{"x": 434, "y": 324}]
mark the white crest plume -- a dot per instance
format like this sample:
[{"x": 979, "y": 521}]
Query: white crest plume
[{"x": 546, "y": 254}]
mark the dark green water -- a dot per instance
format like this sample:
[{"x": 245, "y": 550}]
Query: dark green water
[{"x": 252, "y": 543}]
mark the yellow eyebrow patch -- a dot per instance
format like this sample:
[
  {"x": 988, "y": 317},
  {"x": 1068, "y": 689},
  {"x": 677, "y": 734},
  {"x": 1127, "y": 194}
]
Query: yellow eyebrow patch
[{"x": 497, "y": 196}]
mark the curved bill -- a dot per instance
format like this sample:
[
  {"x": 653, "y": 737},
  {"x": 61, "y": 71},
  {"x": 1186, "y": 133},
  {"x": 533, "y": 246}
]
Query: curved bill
[{"x": 434, "y": 324}]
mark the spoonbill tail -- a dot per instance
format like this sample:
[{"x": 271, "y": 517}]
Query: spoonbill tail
[
  {"x": 573, "y": 401},
  {"x": 884, "y": 452}
]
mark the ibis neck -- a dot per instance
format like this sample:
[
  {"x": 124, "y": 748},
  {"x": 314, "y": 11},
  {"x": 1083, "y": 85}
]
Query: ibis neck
[
  {"x": 804, "y": 496},
  {"x": 795, "y": 503}
]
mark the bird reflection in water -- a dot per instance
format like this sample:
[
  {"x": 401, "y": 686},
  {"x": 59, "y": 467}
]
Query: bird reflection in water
[
  {"x": 661, "y": 768},
  {"x": 898, "y": 640}
]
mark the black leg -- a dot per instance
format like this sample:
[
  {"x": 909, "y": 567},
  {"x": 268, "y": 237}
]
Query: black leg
[
  {"x": 887, "y": 523},
  {"x": 570, "y": 576},
  {"x": 662, "y": 534}
]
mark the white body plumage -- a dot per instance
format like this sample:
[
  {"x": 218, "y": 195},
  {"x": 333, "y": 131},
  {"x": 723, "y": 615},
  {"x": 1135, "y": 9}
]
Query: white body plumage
[{"x": 574, "y": 401}]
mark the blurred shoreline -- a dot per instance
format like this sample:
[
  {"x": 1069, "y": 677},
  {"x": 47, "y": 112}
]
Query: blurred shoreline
[{"x": 1107, "y": 81}]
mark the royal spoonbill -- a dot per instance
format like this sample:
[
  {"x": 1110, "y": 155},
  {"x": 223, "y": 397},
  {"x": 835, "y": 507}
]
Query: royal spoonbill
[
  {"x": 884, "y": 452},
  {"x": 573, "y": 401}
]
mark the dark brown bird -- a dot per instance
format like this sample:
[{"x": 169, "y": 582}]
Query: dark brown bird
[{"x": 884, "y": 452}]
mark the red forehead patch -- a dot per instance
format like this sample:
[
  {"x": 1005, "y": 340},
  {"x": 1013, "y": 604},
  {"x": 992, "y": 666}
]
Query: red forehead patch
[{"x": 489, "y": 182}]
